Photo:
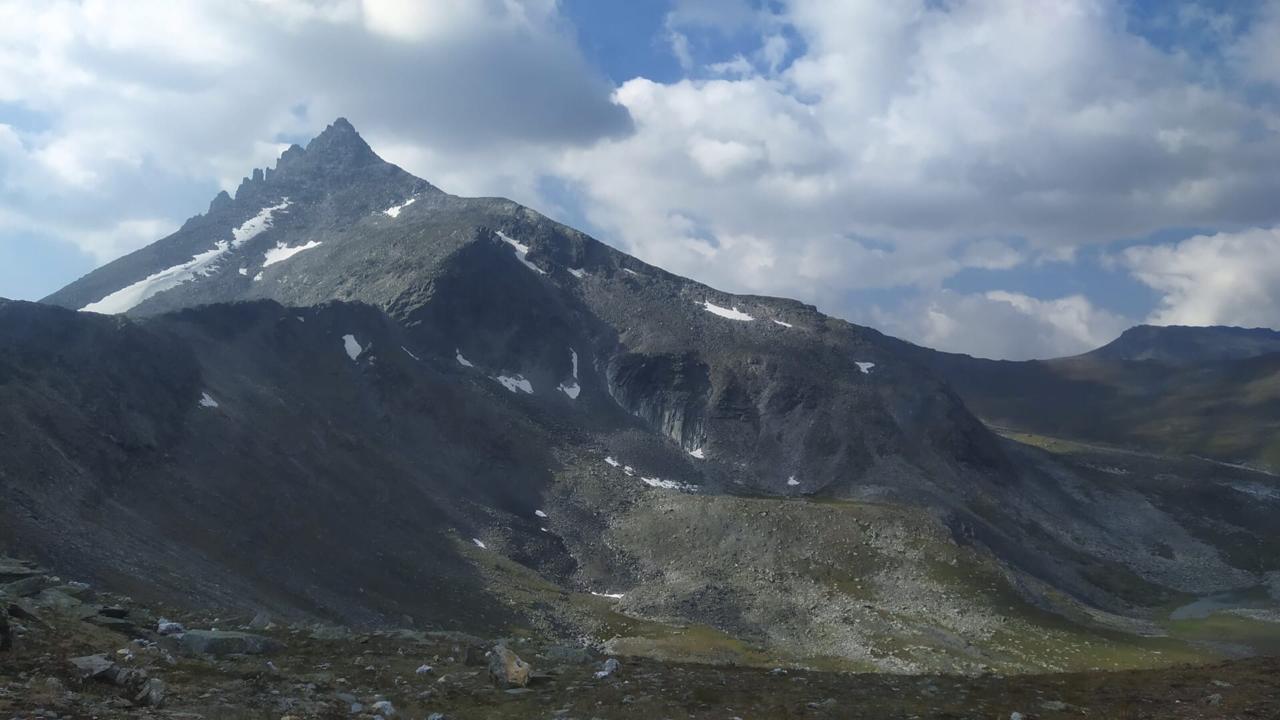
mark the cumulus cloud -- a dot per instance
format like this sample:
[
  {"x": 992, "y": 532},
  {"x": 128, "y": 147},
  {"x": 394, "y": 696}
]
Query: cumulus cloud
[
  {"x": 1004, "y": 325},
  {"x": 1222, "y": 279},
  {"x": 847, "y": 145},
  {"x": 910, "y": 140},
  {"x": 141, "y": 110}
]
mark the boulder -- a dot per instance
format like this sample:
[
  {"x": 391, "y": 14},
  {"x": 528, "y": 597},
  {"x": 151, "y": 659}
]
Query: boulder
[
  {"x": 475, "y": 656},
  {"x": 610, "y": 667},
  {"x": 226, "y": 642},
  {"x": 566, "y": 655},
  {"x": 150, "y": 694},
  {"x": 11, "y": 570},
  {"x": 331, "y": 632},
  {"x": 51, "y": 599},
  {"x": 506, "y": 669},
  {"x": 89, "y": 667},
  {"x": 27, "y": 586}
]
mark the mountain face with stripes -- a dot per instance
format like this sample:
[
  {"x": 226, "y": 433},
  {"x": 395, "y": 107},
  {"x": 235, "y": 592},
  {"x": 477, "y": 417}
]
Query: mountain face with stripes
[{"x": 344, "y": 394}]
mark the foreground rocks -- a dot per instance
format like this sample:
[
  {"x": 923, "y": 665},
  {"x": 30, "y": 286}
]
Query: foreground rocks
[{"x": 65, "y": 666}]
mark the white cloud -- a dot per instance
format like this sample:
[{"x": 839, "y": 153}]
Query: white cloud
[
  {"x": 1004, "y": 325},
  {"x": 910, "y": 140},
  {"x": 1222, "y": 279},
  {"x": 143, "y": 108},
  {"x": 859, "y": 145}
]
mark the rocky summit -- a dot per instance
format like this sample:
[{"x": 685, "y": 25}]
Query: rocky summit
[{"x": 382, "y": 428}]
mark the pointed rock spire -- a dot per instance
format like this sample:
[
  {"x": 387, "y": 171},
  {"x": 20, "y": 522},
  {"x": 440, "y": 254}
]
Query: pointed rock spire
[{"x": 340, "y": 144}]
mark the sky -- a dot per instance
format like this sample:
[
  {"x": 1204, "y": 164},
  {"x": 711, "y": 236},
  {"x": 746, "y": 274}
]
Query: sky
[{"x": 1004, "y": 178}]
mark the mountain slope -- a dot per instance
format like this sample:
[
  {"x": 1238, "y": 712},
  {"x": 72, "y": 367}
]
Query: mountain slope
[
  {"x": 1181, "y": 345},
  {"x": 458, "y": 410},
  {"x": 1213, "y": 392}
]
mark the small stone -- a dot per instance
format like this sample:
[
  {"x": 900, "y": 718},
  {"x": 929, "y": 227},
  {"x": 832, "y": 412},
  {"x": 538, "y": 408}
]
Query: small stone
[
  {"x": 164, "y": 627},
  {"x": 423, "y": 670},
  {"x": 610, "y": 667},
  {"x": 1214, "y": 699},
  {"x": 384, "y": 708},
  {"x": 1016, "y": 716}
]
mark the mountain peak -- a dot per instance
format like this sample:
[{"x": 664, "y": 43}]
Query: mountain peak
[
  {"x": 338, "y": 146},
  {"x": 340, "y": 135}
]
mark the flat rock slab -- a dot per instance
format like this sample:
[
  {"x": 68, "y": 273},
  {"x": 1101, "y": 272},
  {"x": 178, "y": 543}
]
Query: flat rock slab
[
  {"x": 227, "y": 642},
  {"x": 92, "y": 666},
  {"x": 11, "y": 570}
]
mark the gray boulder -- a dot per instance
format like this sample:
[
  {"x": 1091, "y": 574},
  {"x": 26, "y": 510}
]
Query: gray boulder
[
  {"x": 226, "y": 642},
  {"x": 566, "y": 655}
]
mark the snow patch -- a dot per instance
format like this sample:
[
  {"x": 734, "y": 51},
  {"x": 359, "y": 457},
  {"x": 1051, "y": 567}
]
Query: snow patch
[
  {"x": 257, "y": 224},
  {"x": 783, "y": 324},
  {"x": 612, "y": 596},
  {"x": 457, "y": 355},
  {"x": 394, "y": 211},
  {"x": 522, "y": 252},
  {"x": 727, "y": 313},
  {"x": 612, "y": 462},
  {"x": 280, "y": 253},
  {"x": 351, "y": 346},
  {"x": 201, "y": 265},
  {"x": 792, "y": 481},
  {"x": 578, "y": 272},
  {"x": 479, "y": 544},
  {"x": 539, "y": 513},
  {"x": 572, "y": 388},
  {"x": 633, "y": 272},
  {"x": 257, "y": 278},
  {"x": 699, "y": 453},
  {"x": 865, "y": 367},
  {"x": 207, "y": 401},
  {"x": 515, "y": 383},
  {"x": 668, "y": 484},
  {"x": 409, "y": 352},
  {"x": 244, "y": 271}
]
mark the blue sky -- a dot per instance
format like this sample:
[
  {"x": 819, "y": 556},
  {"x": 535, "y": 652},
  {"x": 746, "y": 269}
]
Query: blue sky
[{"x": 996, "y": 177}]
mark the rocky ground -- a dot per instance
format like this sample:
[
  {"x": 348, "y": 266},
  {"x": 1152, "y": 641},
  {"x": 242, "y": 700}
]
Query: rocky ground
[{"x": 79, "y": 653}]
